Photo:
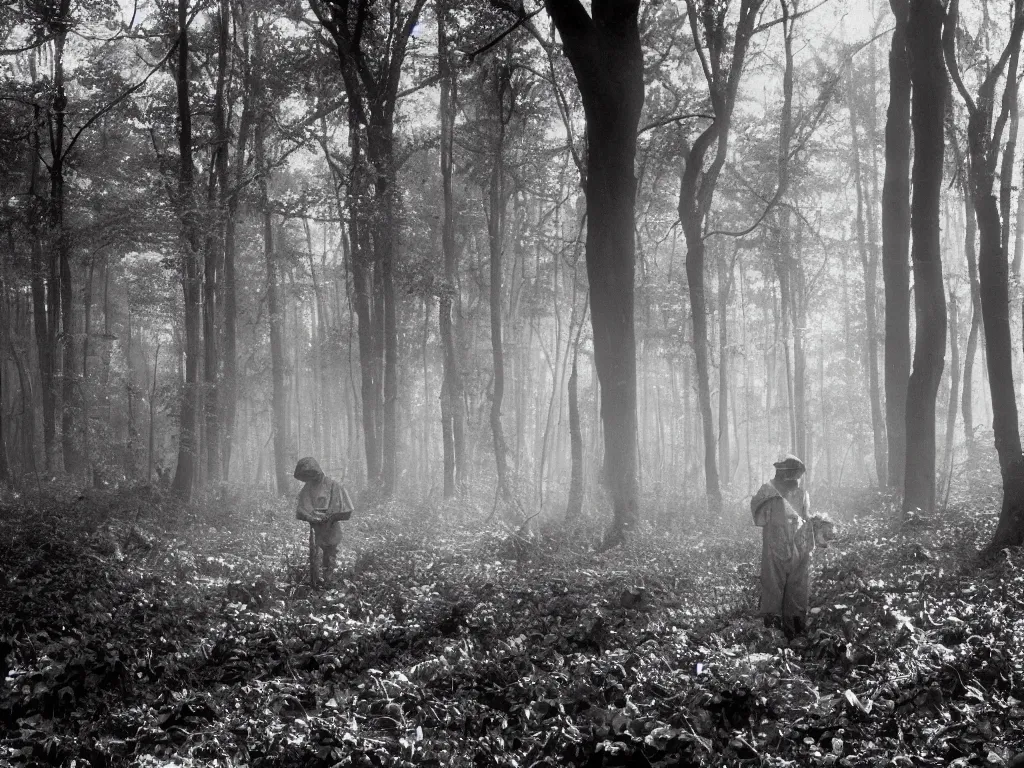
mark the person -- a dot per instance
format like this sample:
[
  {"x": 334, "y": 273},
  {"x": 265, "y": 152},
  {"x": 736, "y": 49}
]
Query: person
[
  {"x": 323, "y": 503},
  {"x": 781, "y": 508}
]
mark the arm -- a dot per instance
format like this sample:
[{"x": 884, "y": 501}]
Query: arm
[
  {"x": 761, "y": 514},
  {"x": 304, "y": 508}
]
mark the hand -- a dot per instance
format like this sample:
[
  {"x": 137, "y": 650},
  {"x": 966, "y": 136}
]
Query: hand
[{"x": 317, "y": 516}]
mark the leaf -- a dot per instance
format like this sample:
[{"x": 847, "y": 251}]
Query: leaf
[{"x": 853, "y": 701}]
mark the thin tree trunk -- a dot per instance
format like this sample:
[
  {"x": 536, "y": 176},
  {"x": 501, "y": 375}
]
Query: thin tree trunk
[
  {"x": 724, "y": 281},
  {"x": 452, "y": 409},
  {"x": 496, "y": 213},
  {"x": 869, "y": 263},
  {"x": 275, "y": 318},
  {"x": 954, "y": 385},
  {"x": 213, "y": 257},
  {"x": 188, "y": 445},
  {"x": 84, "y": 395},
  {"x": 229, "y": 383},
  {"x": 799, "y": 313},
  {"x": 970, "y": 251},
  {"x": 151, "y": 442},
  {"x": 361, "y": 266},
  {"x": 574, "y": 507}
]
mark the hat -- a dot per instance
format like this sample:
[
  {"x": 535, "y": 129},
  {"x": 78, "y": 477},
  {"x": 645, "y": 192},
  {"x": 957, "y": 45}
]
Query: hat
[
  {"x": 307, "y": 470},
  {"x": 791, "y": 462}
]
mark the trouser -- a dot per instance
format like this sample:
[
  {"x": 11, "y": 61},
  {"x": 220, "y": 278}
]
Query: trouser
[
  {"x": 785, "y": 591},
  {"x": 321, "y": 560}
]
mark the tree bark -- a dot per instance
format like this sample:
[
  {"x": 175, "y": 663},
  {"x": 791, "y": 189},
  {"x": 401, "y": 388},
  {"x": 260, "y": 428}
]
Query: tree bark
[
  {"x": 275, "y": 319},
  {"x": 188, "y": 444},
  {"x": 896, "y": 248},
  {"x": 229, "y": 383},
  {"x": 496, "y": 204},
  {"x": 214, "y": 255},
  {"x": 869, "y": 263},
  {"x": 954, "y": 386},
  {"x": 970, "y": 251},
  {"x": 43, "y": 326},
  {"x": 371, "y": 68},
  {"x": 62, "y": 284},
  {"x": 928, "y": 77},
  {"x": 724, "y": 285},
  {"x": 452, "y": 405},
  {"x": 606, "y": 56},
  {"x": 984, "y": 135},
  {"x": 697, "y": 190},
  {"x": 362, "y": 268}
]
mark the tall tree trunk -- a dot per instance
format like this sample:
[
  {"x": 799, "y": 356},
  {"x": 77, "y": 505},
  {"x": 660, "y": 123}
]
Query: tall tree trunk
[
  {"x": 372, "y": 77},
  {"x": 214, "y": 255},
  {"x": 607, "y": 59},
  {"x": 693, "y": 230},
  {"x": 896, "y": 248},
  {"x": 188, "y": 444},
  {"x": 361, "y": 266},
  {"x": 84, "y": 394},
  {"x": 928, "y": 76},
  {"x": 697, "y": 190},
  {"x": 574, "y": 507},
  {"x": 954, "y": 385},
  {"x": 71, "y": 402},
  {"x": 452, "y": 405},
  {"x": 275, "y": 318},
  {"x": 228, "y": 398},
  {"x": 496, "y": 214},
  {"x": 724, "y": 283},
  {"x": 984, "y": 136},
  {"x": 869, "y": 263},
  {"x": 6, "y": 478},
  {"x": 43, "y": 329},
  {"x": 798, "y": 292},
  {"x": 151, "y": 440},
  {"x": 385, "y": 235},
  {"x": 970, "y": 251}
]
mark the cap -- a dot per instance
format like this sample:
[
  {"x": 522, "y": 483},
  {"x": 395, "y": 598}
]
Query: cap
[{"x": 791, "y": 462}]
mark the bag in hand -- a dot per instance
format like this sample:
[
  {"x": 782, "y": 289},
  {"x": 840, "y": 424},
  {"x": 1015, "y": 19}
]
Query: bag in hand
[{"x": 347, "y": 508}]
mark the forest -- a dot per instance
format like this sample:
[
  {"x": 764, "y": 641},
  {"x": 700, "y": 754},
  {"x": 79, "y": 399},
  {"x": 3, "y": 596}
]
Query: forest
[{"x": 546, "y": 288}]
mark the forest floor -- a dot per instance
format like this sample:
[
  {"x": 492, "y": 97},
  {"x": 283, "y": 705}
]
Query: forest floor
[{"x": 140, "y": 634}]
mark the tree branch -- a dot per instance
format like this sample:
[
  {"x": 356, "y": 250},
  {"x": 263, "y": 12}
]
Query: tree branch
[{"x": 523, "y": 19}]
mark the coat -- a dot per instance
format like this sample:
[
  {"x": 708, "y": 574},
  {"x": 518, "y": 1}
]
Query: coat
[
  {"x": 317, "y": 497},
  {"x": 787, "y": 545}
]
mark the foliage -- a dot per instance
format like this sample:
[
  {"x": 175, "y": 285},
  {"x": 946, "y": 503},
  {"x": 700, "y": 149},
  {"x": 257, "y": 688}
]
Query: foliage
[{"x": 143, "y": 634}]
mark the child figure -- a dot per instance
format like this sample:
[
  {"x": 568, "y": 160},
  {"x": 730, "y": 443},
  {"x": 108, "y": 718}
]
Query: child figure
[
  {"x": 781, "y": 508},
  {"x": 323, "y": 504}
]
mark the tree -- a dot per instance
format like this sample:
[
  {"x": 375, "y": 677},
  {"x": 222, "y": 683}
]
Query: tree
[
  {"x": 191, "y": 279},
  {"x": 453, "y": 411},
  {"x": 371, "y": 39},
  {"x": 606, "y": 57},
  {"x": 699, "y": 179},
  {"x": 502, "y": 97},
  {"x": 929, "y": 87},
  {"x": 869, "y": 262},
  {"x": 896, "y": 248},
  {"x": 984, "y": 134}
]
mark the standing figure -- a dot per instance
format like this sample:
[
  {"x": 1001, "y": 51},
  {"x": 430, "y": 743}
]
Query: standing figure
[
  {"x": 323, "y": 504},
  {"x": 781, "y": 508}
]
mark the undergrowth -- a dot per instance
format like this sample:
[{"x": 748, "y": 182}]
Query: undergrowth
[{"x": 135, "y": 632}]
